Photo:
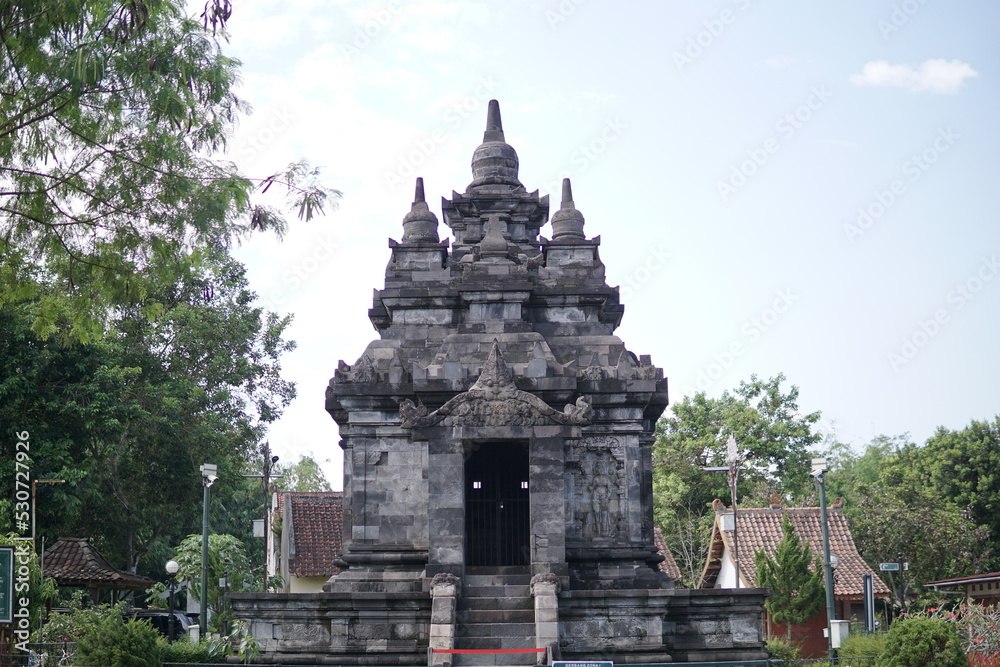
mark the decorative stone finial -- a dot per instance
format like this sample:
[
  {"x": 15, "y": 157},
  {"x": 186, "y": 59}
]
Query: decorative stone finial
[
  {"x": 493, "y": 243},
  {"x": 496, "y": 376},
  {"x": 494, "y": 162},
  {"x": 420, "y": 224},
  {"x": 567, "y": 222},
  {"x": 494, "y": 126}
]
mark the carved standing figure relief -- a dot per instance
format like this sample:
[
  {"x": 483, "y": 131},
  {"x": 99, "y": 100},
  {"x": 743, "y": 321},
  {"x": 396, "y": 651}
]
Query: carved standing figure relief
[
  {"x": 597, "y": 481},
  {"x": 601, "y": 499}
]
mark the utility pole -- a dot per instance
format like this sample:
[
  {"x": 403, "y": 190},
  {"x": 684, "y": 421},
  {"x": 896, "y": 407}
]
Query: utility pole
[
  {"x": 266, "y": 477},
  {"x": 733, "y": 459}
]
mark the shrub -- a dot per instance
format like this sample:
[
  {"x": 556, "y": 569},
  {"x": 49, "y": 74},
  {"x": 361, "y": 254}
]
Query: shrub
[
  {"x": 782, "y": 650},
  {"x": 185, "y": 651},
  {"x": 111, "y": 641},
  {"x": 921, "y": 642},
  {"x": 862, "y": 645}
]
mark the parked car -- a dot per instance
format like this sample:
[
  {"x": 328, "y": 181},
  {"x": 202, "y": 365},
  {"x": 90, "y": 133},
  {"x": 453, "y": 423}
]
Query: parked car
[{"x": 160, "y": 619}]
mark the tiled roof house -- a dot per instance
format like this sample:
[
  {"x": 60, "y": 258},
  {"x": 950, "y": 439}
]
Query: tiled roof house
[
  {"x": 760, "y": 529},
  {"x": 74, "y": 562},
  {"x": 310, "y": 539},
  {"x": 981, "y": 589},
  {"x": 669, "y": 565}
]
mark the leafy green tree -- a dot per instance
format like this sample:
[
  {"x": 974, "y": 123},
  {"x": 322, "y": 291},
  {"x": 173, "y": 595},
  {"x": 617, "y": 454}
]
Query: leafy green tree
[
  {"x": 128, "y": 419},
  {"x": 797, "y": 593},
  {"x": 775, "y": 438},
  {"x": 963, "y": 467},
  {"x": 226, "y": 558},
  {"x": 303, "y": 475},
  {"x": 110, "y": 113},
  {"x": 932, "y": 534},
  {"x": 920, "y": 642}
]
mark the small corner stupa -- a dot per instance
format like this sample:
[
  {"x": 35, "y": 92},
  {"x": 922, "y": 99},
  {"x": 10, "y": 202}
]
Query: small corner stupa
[{"x": 497, "y": 437}]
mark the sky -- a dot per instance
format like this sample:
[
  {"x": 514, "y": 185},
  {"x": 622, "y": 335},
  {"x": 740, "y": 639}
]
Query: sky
[{"x": 802, "y": 188}]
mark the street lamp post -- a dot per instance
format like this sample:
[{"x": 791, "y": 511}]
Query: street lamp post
[
  {"x": 34, "y": 502},
  {"x": 818, "y": 471},
  {"x": 172, "y": 567},
  {"x": 208, "y": 476}
]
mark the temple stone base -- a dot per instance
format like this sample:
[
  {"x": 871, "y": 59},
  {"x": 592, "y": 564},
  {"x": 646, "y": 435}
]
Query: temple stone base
[{"x": 625, "y": 626}]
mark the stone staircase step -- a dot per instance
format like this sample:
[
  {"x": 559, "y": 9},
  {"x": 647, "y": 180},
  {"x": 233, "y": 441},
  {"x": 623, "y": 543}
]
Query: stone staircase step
[
  {"x": 521, "y": 631},
  {"x": 496, "y": 603},
  {"x": 473, "y": 616},
  {"x": 496, "y": 591},
  {"x": 493, "y": 580}
]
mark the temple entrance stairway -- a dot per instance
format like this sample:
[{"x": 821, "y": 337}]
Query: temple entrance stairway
[{"x": 496, "y": 611}]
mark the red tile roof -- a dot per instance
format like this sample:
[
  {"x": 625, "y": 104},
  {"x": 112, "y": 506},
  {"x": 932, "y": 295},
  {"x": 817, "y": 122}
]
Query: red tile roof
[
  {"x": 73, "y": 561},
  {"x": 669, "y": 565},
  {"x": 316, "y": 532},
  {"x": 761, "y": 529}
]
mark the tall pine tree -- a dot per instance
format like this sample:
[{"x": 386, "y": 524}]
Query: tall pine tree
[{"x": 797, "y": 593}]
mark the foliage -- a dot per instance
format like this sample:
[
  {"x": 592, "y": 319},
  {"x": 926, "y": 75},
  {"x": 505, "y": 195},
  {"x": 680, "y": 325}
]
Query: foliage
[
  {"x": 303, "y": 475},
  {"x": 963, "y": 468},
  {"x": 186, "y": 651},
  {"x": 226, "y": 558},
  {"x": 919, "y": 642},
  {"x": 126, "y": 420},
  {"x": 782, "y": 649},
  {"x": 862, "y": 645},
  {"x": 109, "y": 113},
  {"x": 104, "y": 638},
  {"x": 797, "y": 594},
  {"x": 978, "y": 626},
  {"x": 765, "y": 421},
  {"x": 239, "y": 642}
]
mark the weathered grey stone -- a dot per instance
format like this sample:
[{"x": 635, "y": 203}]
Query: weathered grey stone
[{"x": 499, "y": 429}]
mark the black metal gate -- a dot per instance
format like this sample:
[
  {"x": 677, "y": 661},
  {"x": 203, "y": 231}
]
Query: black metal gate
[{"x": 497, "y": 522}]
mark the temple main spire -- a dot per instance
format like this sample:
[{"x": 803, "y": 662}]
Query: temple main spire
[{"x": 494, "y": 164}]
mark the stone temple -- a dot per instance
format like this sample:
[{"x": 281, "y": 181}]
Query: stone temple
[{"x": 497, "y": 444}]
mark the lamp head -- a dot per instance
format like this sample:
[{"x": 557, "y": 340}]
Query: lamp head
[{"x": 172, "y": 567}]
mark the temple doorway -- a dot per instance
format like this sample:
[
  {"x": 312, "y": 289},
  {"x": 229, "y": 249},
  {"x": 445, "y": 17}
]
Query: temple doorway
[{"x": 497, "y": 525}]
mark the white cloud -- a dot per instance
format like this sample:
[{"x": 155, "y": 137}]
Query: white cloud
[
  {"x": 779, "y": 62},
  {"x": 936, "y": 76}
]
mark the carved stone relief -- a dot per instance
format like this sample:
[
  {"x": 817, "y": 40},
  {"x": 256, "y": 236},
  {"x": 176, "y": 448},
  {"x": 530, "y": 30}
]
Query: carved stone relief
[{"x": 596, "y": 479}]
